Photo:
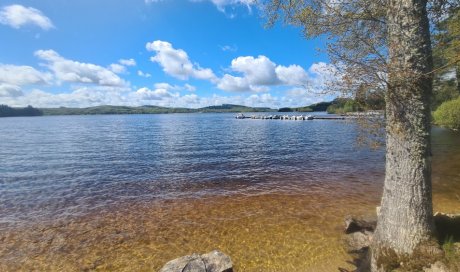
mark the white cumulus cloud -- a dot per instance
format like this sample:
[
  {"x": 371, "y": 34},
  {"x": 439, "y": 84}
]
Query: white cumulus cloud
[
  {"x": 22, "y": 75},
  {"x": 176, "y": 63},
  {"x": 238, "y": 84},
  {"x": 292, "y": 75},
  {"x": 18, "y": 16},
  {"x": 117, "y": 68},
  {"x": 169, "y": 87},
  {"x": 259, "y": 73},
  {"x": 78, "y": 72},
  {"x": 156, "y": 94}
]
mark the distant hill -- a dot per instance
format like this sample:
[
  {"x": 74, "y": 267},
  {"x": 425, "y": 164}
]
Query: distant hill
[
  {"x": 112, "y": 110},
  {"x": 147, "y": 110},
  {"x": 233, "y": 108}
]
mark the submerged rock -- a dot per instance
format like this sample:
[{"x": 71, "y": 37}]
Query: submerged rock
[
  {"x": 358, "y": 241},
  {"x": 358, "y": 238},
  {"x": 214, "y": 261},
  {"x": 179, "y": 264},
  {"x": 359, "y": 233},
  {"x": 353, "y": 225}
]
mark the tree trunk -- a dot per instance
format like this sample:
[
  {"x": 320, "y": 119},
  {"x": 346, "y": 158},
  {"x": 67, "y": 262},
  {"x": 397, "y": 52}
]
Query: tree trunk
[{"x": 405, "y": 220}]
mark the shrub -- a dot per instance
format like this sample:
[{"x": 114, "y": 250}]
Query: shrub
[{"x": 448, "y": 114}]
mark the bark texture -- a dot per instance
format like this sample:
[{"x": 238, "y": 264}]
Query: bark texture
[{"x": 405, "y": 220}]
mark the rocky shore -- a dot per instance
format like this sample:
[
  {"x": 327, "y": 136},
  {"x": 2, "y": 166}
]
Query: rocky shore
[
  {"x": 359, "y": 233},
  {"x": 357, "y": 240}
]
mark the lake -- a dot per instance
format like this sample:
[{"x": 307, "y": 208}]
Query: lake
[{"x": 130, "y": 192}]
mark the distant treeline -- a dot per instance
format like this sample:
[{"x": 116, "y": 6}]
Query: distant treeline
[
  {"x": 148, "y": 110},
  {"x": 112, "y": 110},
  {"x": 342, "y": 105},
  {"x": 234, "y": 108},
  {"x": 6, "y": 111},
  {"x": 321, "y": 106},
  {"x": 338, "y": 105}
]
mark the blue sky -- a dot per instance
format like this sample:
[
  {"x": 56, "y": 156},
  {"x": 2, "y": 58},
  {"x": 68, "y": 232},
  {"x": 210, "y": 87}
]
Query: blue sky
[{"x": 186, "y": 53}]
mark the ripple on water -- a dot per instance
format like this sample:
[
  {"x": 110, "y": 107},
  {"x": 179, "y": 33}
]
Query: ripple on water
[{"x": 132, "y": 192}]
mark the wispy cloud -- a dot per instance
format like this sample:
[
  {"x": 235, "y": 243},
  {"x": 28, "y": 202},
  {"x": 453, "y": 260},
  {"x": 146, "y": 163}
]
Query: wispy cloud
[
  {"x": 127, "y": 62},
  {"x": 229, "y": 48},
  {"x": 18, "y": 16},
  {"x": 220, "y": 4},
  {"x": 143, "y": 74}
]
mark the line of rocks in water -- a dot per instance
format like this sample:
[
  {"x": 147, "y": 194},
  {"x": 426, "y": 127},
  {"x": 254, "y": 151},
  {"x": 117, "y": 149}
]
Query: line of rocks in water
[
  {"x": 275, "y": 117},
  {"x": 295, "y": 117}
]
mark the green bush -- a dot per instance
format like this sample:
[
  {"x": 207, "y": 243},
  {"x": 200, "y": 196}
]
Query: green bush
[{"x": 448, "y": 114}]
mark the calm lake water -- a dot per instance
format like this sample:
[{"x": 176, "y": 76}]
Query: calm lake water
[{"x": 125, "y": 192}]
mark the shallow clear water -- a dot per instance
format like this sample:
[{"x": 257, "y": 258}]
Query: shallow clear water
[{"x": 125, "y": 192}]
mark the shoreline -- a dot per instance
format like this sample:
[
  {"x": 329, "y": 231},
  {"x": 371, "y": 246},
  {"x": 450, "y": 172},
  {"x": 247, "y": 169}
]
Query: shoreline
[{"x": 271, "y": 231}]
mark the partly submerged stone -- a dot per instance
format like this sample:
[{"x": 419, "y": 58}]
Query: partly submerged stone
[
  {"x": 179, "y": 264},
  {"x": 214, "y": 261},
  {"x": 217, "y": 261},
  {"x": 358, "y": 241},
  {"x": 195, "y": 265},
  {"x": 353, "y": 225}
]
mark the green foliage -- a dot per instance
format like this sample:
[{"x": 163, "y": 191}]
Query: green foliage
[
  {"x": 304, "y": 109},
  {"x": 443, "y": 91},
  {"x": 449, "y": 247},
  {"x": 446, "y": 56},
  {"x": 343, "y": 105},
  {"x": 285, "y": 110},
  {"x": 321, "y": 106},
  {"x": 232, "y": 108},
  {"x": 448, "y": 114},
  {"x": 6, "y": 111},
  {"x": 447, "y": 48},
  {"x": 451, "y": 253}
]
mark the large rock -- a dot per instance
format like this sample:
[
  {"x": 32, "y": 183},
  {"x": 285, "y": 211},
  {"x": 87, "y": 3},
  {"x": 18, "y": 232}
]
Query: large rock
[
  {"x": 179, "y": 264},
  {"x": 358, "y": 238},
  {"x": 195, "y": 265},
  {"x": 354, "y": 225},
  {"x": 214, "y": 261},
  {"x": 358, "y": 241},
  {"x": 217, "y": 261}
]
